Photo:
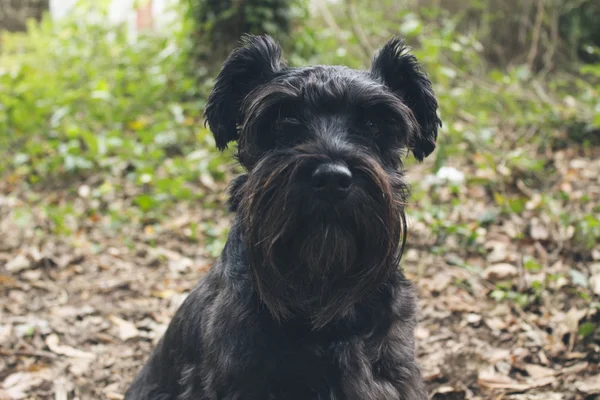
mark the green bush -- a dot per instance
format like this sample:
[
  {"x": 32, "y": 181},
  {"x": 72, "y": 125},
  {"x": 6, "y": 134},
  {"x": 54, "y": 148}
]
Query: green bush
[
  {"x": 215, "y": 27},
  {"x": 78, "y": 98},
  {"x": 546, "y": 34},
  {"x": 475, "y": 97}
]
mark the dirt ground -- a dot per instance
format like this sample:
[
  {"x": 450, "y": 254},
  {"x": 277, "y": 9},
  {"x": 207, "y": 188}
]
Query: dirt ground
[{"x": 80, "y": 313}]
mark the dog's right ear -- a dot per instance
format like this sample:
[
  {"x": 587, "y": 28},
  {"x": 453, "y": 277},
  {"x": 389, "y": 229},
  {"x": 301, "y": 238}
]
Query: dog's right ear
[
  {"x": 400, "y": 72},
  {"x": 254, "y": 63}
]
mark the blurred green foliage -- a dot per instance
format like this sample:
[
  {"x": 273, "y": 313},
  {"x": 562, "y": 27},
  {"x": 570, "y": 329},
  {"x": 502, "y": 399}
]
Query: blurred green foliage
[
  {"x": 216, "y": 26},
  {"x": 80, "y": 99}
]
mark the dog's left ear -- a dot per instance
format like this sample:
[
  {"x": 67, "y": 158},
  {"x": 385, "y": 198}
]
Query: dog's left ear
[
  {"x": 253, "y": 63},
  {"x": 401, "y": 73}
]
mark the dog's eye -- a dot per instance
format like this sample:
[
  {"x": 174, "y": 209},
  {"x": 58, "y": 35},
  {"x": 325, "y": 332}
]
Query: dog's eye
[
  {"x": 372, "y": 127},
  {"x": 289, "y": 121}
]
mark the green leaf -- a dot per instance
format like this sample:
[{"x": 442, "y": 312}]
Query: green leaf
[
  {"x": 91, "y": 141},
  {"x": 516, "y": 205},
  {"x": 146, "y": 202},
  {"x": 532, "y": 265},
  {"x": 596, "y": 121},
  {"x": 586, "y": 329}
]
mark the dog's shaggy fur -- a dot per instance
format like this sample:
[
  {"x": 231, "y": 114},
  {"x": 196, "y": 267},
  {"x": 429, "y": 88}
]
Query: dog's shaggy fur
[{"x": 307, "y": 301}]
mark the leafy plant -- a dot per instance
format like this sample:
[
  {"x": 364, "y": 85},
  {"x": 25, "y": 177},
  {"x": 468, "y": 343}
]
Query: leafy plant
[{"x": 215, "y": 27}]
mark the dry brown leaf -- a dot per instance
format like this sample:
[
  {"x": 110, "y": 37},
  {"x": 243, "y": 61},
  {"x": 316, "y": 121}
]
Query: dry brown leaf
[
  {"x": 431, "y": 373},
  {"x": 178, "y": 222},
  {"x": 575, "y": 355},
  {"x": 127, "y": 330},
  {"x": 181, "y": 265},
  {"x": 496, "y": 355},
  {"x": 79, "y": 366},
  {"x": 496, "y": 324},
  {"x": 459, "y": 304},
  {"x": 537, "y": 371},
  {"x": 438, "y": 283},
  {"x": 500, "y": 271},
  {"x": 590, "y": 385},
  {"x": 164, "y": 294},
  {"x": 540, "y": 382},
  {"x": 18, "y": 385},
  {"x": 449, "y": 393},
  {"x": 544, "y": 395},
  {"x": 422, "y": 333},
  {"x": 473, "y": 319},
  {"x": 575, "y": 369},
  {"x": 18, "y": 264},
  {"x": 164, "y": 252},
  {"x": 61, "y": 388},
  {"x": 53, "y": 344},
  {"x": 4, "y": 395},
  {"x": 7, "y": 281},
  {"x": 492, "y": 380},
  {"x": 594, "y": 282},
  {"x": 499, "y": 251},
  {"x": 5, "y": 333},
  {"x": 537, "y": 230},
  {"x": 573, "y": 317}
]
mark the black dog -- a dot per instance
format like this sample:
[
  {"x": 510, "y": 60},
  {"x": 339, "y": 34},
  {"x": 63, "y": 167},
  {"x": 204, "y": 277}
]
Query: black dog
[{"x": 307, "y": 301}]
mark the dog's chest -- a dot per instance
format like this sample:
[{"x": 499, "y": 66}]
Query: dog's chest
[
  {"x": 309, "y": 368},
  {"x": 309, "y": 371}
]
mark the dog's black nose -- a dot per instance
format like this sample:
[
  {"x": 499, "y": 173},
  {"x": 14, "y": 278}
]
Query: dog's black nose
[{"x": 332, "y": 179}]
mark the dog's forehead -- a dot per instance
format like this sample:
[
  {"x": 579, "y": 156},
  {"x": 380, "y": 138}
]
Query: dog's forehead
[
  {"x": 329, "y": 72},
  {"x": 323, "y": 75},
  {"x": 320, "y": 84}
]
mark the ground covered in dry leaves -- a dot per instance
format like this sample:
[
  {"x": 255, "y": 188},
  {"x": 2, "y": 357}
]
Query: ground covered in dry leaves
[{"x": 509, "y": 281}]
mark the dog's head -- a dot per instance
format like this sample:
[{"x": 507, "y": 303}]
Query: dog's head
[{"x": 322, "y": 203}]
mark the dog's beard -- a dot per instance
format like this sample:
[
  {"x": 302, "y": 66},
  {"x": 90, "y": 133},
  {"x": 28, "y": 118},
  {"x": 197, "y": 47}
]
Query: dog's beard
[{"x": 313, "y": 259}]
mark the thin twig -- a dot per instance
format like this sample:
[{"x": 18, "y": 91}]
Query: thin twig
[
  {"x": 525, "y": 23},
  {"x": 533, "y": 50},
  {"x": 330, "y": 21},
  {"x": 28, "y": 353},
  {"x": 328, "y": 17},
  {"x": 554, "y": 38},
  {"x": 541, "y": 93},
  {"x": 363, "y": 40}
]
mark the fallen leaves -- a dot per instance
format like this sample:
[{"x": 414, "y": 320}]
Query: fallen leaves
[
  {"x": 538, "y": 371},
  {"x": 17, "y": 386},
  {"x": 500, "y": 271},
  {"x": 449, "y": 393},
  {"x": 127, "y": 330},
  {"x": 594, "y": 280},
  {"x": 52, "y": 342},
  {"x": 18, "y": 264},
  {"x": 492, "y": 380},
  {"x": 538, "y": 230},
  {"x": 589, "y": 385},
  {"x": 499, "y": 251}
]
